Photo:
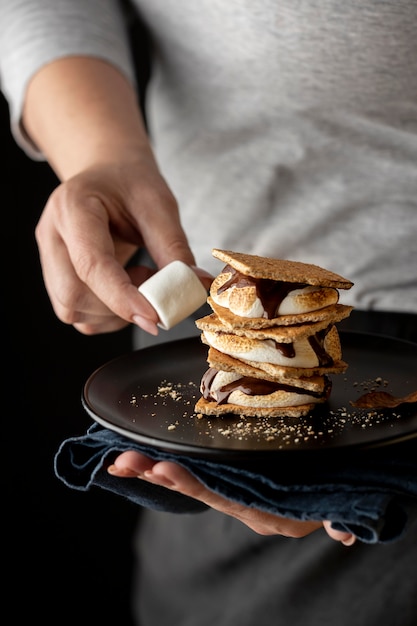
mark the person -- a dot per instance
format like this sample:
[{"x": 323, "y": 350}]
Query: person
[{"x": 275, "y": 128}]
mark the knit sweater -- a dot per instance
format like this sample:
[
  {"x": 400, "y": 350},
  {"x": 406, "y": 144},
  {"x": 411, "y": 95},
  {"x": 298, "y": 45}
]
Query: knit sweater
[{"x": 285, "y": 129}]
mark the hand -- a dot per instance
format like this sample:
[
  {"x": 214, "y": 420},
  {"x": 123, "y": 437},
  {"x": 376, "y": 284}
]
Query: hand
[
  {"x": 172, "y": 476},
  {"x": 346, "y": 538},
  {"x": 91, "y": 227},
  {"x": 113, "y": 199}
]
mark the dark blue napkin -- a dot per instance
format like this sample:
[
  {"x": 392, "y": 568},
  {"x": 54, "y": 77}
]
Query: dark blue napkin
[{"x": 371, "y": 493}]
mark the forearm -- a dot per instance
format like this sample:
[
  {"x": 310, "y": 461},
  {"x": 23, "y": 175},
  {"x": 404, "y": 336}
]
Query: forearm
[{"x": 82, "y": 111}]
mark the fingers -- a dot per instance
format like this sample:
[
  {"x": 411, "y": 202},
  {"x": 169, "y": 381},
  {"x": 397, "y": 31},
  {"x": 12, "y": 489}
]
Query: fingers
[
  {"x": 87, "y": 234},
  {"x": 75, "y": 303},
  {"x": 173, "y": 476},
  {"x": 131, "y": 464},
  {"x": 347, "y": 539},
  {"x": 177, "y": 478},
  {"x": 81, "y": 270}
]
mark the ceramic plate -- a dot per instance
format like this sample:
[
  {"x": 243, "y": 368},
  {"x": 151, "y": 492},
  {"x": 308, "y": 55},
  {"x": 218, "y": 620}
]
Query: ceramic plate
[{"x": 149, "y": 396}]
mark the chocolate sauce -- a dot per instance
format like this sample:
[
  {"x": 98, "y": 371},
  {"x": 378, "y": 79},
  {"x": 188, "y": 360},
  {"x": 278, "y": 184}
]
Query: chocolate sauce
[
  {"x": 250, "y": 386},
  {"x": 316, "y": 341},
  {"x": 206, "y": 382},
  {"x": 287, "y": 349},
  {"x": 270, "y": 292}
]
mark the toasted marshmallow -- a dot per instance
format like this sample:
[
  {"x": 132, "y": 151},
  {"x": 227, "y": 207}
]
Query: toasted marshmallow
[
  {"x": 278, "y": 398},
  {"x": 264, "y": 351},
  {"x": 272, "y": 337},
  {"x": 241, "y": 301},
  {"x": 245, "y": 302},
  {"x": 308, "y": 299}
]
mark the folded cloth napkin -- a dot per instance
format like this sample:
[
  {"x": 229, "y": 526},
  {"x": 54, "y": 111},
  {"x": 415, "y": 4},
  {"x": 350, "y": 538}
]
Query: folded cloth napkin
[{"x": 371, "y": 493}]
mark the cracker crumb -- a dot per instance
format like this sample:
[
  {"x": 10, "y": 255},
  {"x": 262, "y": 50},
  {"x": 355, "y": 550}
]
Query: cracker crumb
[{"x": 280, "y": 432}]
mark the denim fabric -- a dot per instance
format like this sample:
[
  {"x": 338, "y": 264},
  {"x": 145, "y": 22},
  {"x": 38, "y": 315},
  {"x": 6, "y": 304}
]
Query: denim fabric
[{"x": 372, "y": 493}]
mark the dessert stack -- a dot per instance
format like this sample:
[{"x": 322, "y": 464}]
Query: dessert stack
[{"x": 272, "y": 337}]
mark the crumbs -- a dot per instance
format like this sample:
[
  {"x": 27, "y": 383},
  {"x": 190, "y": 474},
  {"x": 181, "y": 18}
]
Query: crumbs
[
  {"x": 290, "y": 432},
  {"x": 318, "y": 428},
  {"x": 168, "y": 392},
  {"x": 371, "y": 384}
]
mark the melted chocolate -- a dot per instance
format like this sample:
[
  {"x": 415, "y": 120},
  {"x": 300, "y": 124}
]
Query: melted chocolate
[
  {"x": 317, "y": 343},
  {"x": 270, "y": 292},
  {"x": 206, "y": 382},
  {"x": 286, "y": 349},
  {"x": 250, "y": 386}
]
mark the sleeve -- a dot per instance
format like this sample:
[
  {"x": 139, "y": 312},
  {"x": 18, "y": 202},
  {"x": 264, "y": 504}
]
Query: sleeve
[{"x": 36, "y": 32}]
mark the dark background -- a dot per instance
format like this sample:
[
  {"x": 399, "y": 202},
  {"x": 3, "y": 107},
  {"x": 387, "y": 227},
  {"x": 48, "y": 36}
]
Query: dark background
[{"x": 67, "y": 554}]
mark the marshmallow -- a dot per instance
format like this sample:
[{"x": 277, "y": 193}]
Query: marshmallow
[
  {"x": 262, "y": 350},
  {"x": 174, "y": 292},
  {"x": 280, "y": 398}
]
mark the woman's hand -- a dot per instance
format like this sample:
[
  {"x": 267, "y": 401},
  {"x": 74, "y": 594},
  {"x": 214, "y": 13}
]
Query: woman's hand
[
  {"x": 91, "y": 227},
  {"x": 83, "y": 115},
  {"x": 173, "y": 476}
]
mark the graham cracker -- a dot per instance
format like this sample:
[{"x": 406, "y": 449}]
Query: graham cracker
[
  {"x": 270, "y": 371},
  {"x": 280, "y": 334},
  {"x": 281, "y": 371},
  {"x": 241, "y": 299},
  {"x": 281, "y": 269},
  {"x": 237, "y": 333},
  {"x": 232, "y": 321},
  {"x": 221, "y": 361},
  {"x": 212, "y": 408}
]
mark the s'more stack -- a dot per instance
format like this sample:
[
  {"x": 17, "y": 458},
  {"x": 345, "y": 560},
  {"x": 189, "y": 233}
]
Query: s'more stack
[{"x": 272, "y": 340}]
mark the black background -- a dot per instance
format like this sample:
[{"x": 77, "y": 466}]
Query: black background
[{"x": 67, "y": 555}]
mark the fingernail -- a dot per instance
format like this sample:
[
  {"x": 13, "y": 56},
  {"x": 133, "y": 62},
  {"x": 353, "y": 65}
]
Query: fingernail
[
  {"x": 146, "y": 324},
  {"x": 121, "y": 473}
]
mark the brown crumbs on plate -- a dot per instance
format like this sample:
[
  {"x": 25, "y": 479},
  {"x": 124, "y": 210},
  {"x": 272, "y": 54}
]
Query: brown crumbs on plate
[{"x": 281, "y": 430}]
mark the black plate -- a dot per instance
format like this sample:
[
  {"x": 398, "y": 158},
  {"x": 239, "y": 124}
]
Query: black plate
[{"x": 149, "y": 396}]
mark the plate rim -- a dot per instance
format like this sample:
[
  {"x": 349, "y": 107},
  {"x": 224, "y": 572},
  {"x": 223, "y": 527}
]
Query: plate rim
[{"x": 191, "y": 449}]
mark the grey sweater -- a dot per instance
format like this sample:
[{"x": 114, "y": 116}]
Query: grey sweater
[
  {"x": 287, "y": 128},
  {"x": 284, "y": 128}
]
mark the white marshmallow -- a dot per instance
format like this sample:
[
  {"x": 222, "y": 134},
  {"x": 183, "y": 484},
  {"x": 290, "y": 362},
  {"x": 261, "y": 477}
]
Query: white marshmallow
[
  {"x": 278, "y": 398},
  {"x": 307, "y": 299},
  {"x": 174, "y": 292},
  {"x": 243, "y": 301},
  {"x": 263, "y": 351}
]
